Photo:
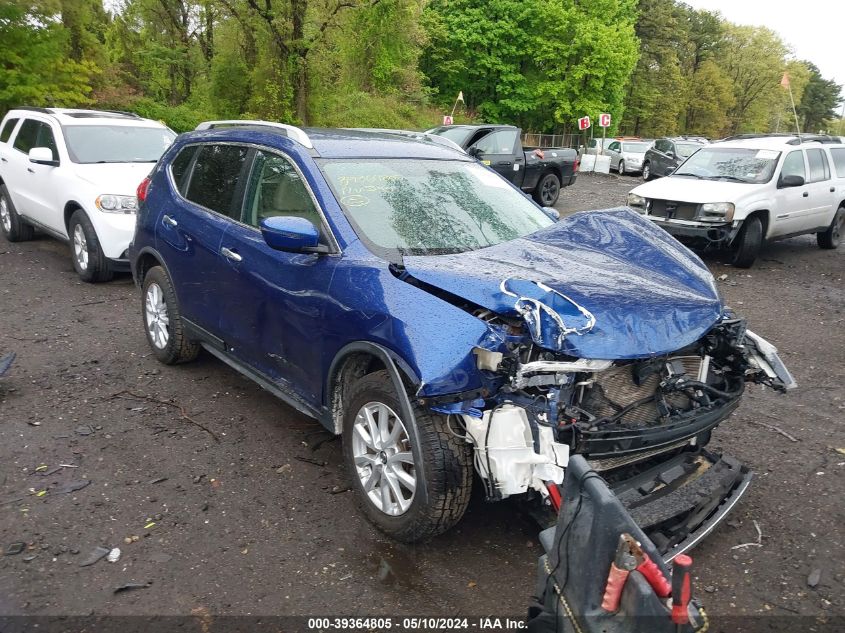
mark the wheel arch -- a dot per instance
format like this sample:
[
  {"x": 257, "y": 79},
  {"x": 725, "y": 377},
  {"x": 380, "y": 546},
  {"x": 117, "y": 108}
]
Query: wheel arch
[
  {"x": 356, "y": 360},
  {"x": 147, "y": 258},
  {"x": 763, "y": 214}
]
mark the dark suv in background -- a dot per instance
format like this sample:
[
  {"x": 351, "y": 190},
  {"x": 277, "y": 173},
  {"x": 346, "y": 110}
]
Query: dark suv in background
[{"x": 666, "y": 154}]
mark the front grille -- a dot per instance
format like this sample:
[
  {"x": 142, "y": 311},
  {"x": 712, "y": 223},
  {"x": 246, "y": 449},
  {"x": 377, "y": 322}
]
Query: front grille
[
  {"x": 615, "y": 389},
  {"x": 673, "y": 210}
]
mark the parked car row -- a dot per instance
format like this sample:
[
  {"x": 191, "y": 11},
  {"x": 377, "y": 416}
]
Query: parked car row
[{"x": 418, "y": 303}]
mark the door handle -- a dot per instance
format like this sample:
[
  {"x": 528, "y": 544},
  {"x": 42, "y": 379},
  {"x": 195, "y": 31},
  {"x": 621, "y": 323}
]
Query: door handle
[
  {"x": 832, "y": 189},
  {"x": 5, "y": 160},
  {"x": 30, "y": 170},
  {"x": 806, "y": 194},
  {"x": 506, "y": 163},
  {"x": 230, "y": 254},
  {"x": 168, "y": 221}
]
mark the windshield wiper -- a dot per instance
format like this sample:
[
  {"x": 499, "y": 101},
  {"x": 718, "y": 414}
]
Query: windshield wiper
[
  {"x": 686, "y": 173},
  {"x": 726, "y": 177}
]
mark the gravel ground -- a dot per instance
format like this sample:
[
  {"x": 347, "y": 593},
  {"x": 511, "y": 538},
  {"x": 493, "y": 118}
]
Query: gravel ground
[{"x": 232, "y": 503}]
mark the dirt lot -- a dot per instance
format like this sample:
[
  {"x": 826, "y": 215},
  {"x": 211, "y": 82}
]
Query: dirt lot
[{"x": 239, "y": 504}]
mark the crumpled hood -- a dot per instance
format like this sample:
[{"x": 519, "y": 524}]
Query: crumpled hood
[
  {"x": 120, "y": 179},
  {"x": 621, "y": 286}
]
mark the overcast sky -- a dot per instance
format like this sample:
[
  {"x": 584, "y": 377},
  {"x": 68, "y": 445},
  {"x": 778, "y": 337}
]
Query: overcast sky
[{"x": 813, "y": 28}]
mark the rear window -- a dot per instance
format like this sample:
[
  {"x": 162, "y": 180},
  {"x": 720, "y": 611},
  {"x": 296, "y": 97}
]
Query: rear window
[
  {"x": 839, "y": 160},
  {"x": 819, "y": 169},
  {"x": 215, "y": 178},
  {"x": 6, "y": 132},
  {"x": 179, "y": 167}
]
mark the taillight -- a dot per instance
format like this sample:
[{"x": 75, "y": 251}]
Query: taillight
[
  {"x": 577, "y": 165},
  {"x": 141, "y": 193}
]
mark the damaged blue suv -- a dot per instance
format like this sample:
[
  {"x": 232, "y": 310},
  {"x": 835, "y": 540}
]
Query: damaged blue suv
[{"x": 413, "y": 300}]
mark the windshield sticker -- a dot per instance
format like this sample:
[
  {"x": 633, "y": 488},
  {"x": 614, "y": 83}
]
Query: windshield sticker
[
  {"x": 491, "y": 179},
  {"x": 766, "y": 154},
  {"x": 355, "y": 200},
  {"x": 486, "y": 162}
]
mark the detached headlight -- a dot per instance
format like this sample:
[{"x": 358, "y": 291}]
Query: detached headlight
[
  {"x": 110, "y": 203},
  {"x": 638, "y": 202},
  {"x": 717, "y": 211}
]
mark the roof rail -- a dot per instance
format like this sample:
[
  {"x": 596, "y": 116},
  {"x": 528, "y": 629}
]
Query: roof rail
[
  {"x": 291, "y": 131},
  {"x": 122, "y": 112},
  {"x": 795, "y": 137},
  {"x": 420, "y": 136},
  {"x": 817, "y": 138},
  {"x": 33, "y": 109}
]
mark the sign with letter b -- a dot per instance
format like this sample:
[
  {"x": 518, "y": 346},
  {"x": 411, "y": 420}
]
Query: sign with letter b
[{"x": 583, "y": 123}]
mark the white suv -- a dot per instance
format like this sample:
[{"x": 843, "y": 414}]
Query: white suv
[
  {"x": 749, "y": 189},
  {"x": 73, "y": 174}
]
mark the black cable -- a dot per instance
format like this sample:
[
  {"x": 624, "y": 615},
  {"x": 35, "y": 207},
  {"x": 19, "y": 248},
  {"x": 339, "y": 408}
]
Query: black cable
[{"x": 695, "y": 384}]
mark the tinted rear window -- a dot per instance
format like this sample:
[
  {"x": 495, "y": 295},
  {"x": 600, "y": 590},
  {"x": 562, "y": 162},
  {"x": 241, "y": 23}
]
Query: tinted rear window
[
  {"x": 215, "y": 178},
  {"x": 7, "y": 130},
  {"x": 179, "y": 167}
]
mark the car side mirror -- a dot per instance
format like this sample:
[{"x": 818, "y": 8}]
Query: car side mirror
[
  {"x": 670, "y": 154},
  {"x": 474, "y": 152},
  {"x": 291, "y": 234},
  {"x": 553, "y": 213},
  {"x": 791, "y": 180},
  {"x": 42, "y": 156}
]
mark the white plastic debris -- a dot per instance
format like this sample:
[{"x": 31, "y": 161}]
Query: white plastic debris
[{"x": 114, "y": 555}]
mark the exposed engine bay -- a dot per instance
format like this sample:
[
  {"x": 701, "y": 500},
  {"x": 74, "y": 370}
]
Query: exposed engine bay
[{"x": 624, "y": 416}]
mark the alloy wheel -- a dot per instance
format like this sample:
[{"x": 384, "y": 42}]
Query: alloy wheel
[
  {"x": 549, "y": 191},
  {"x": 155, "y": 311},
  {"x": 80, "y": 247},
  {"x": 383, "y": 458},
  {"x": 5, "y": 215}
]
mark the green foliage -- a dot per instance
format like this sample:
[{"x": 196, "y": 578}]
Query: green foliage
[
  {"x": 34, "y": 68},
  {"x": 818, "y": 102},
  {"x": 540, "y": 64}
]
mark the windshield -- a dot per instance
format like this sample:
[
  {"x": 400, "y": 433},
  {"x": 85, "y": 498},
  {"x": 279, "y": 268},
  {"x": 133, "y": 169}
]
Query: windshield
[
  {"x": 116, "y": 143},
  {"x": 686, "y": 149},
  {"x": 458, "y": 135},
  {"x": 635, "y": 148},
  {"x": 731, "y": 163},
  {"x": 429, "y": 207}
]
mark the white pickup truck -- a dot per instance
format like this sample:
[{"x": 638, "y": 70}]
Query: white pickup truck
[
  {"x": 73, "y": 174},
  {"x": 744, "y": 191}
]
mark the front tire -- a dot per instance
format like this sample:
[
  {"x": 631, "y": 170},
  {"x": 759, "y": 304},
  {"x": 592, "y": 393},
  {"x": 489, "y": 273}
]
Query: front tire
[
  {"x": 89, "y": 261},
  {"x": 412, "y": 478},
  {"x": 11, "y": 224},
  {"x": 163, "y": 320},
  {"x": 646, "y": 172},
  {"x": 833, "y": 235},
  {"x": 621, "y": 167},
  {"x": 749, "y": 243},
  {"x": 547, "y": 190}
]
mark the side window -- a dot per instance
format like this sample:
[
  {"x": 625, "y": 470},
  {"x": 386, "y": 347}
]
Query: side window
[
  {"x": 35, "y": 134},
  {"x": 819, "y": 169},
  {"x": 499, "y": 142},
  {"x": 215, "y": 178},
  {"x": 179, "y": 167},
  {"x": 661, "y": 145},
  {"x": 275, "y": 189},
  {"x": 27, "y": 136},
  {"x": 793, "y": 165},
  {"x": 7, "y": 130},
  {"x": 614, "y": 147},
  {"x": 838, "y": 154}
]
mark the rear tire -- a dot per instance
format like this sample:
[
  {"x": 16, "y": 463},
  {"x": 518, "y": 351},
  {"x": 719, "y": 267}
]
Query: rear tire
[
  {"x": 88, "y": 258},
  {"x": 833, "y": 235},
  {"x": 646, "y": 172},
  {"x": 422, "y": 453},
  {"x": 163, "y": 320},
  {"x": 621, "y": 168},
  {"x": 13, "y": 227},
  {"x": 749, "y": 242},
  {"x": 548, "y": 190}
]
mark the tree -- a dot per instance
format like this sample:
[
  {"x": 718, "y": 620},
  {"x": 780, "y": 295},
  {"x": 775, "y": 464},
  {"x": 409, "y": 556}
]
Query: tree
[
  {"x": 818, "y": 102},
  {"x": 34, "y": 67}
]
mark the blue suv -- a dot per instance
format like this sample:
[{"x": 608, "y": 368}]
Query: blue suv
[{"x": 410, "y": 298}]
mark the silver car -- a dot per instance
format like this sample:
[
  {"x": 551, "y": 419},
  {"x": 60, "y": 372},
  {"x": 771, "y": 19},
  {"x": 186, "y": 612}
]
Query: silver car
[{"x": 627, "y": 156}]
